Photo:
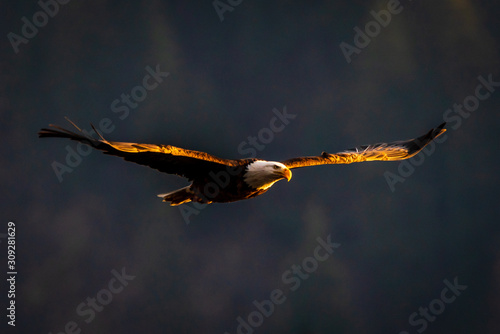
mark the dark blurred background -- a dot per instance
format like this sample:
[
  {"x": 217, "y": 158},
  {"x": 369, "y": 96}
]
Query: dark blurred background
[{"x": 227, "y": 71}]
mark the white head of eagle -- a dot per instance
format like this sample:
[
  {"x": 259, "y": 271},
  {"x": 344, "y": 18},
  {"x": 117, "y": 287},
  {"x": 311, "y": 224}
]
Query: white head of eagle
[{"x": 262, "y": 174}]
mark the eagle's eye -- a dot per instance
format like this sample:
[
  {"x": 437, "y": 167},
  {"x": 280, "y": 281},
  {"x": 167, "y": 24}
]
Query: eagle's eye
[{"x": 276, "y": 166}]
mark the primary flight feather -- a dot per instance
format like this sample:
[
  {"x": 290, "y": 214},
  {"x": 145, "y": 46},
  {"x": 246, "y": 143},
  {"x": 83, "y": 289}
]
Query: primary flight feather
[{"x": 228, "y": 180}]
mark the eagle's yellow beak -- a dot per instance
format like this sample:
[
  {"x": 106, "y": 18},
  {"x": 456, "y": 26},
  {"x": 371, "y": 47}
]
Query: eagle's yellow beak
[{"x": 287, "y": 174}]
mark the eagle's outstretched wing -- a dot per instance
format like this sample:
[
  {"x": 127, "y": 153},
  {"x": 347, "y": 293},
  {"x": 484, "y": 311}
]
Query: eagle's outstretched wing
[
  {"x": 398, "y": 150},
  {"x": 165, "y": 158}
]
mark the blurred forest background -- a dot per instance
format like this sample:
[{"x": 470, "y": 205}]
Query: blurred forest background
[{"x": 398, "y": 245}]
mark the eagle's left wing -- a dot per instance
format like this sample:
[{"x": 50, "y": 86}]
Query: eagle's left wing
[
  {"x": 165, "y": 158},
  {"x": 398, "y": 150}
]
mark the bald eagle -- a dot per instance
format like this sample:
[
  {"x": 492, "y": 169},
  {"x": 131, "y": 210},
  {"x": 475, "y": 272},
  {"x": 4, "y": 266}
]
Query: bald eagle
[{"x": 228, "y": 180}]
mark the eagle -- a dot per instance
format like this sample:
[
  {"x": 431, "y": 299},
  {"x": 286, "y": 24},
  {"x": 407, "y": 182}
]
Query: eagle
[{"x": 217, "y": 180}]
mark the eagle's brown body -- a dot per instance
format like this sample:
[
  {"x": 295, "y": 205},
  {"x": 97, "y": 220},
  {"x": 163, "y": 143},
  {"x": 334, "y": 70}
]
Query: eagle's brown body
[{"x": 220, "y": 186}]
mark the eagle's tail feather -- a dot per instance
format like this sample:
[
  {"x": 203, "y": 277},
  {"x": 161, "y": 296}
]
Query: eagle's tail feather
[{"x": 178, "y": 196}]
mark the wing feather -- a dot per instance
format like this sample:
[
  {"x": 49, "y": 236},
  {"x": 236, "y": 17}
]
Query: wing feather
[
  {"x": 398, "y": 150},
  {"x": 165, "y": 158}
]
